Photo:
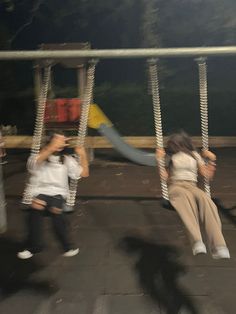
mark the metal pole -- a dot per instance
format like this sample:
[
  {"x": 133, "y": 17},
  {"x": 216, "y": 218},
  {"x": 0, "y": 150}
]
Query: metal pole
[
  {"x": 119, "y": 53},
  {"x": 81, "y": 81}
]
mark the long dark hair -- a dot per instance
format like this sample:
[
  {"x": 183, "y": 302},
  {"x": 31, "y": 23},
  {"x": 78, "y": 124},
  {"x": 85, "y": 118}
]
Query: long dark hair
[{"x": 180, "y": 142}]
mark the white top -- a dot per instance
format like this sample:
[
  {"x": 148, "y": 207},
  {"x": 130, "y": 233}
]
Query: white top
[
  {"x": 185, "y": 167},
  {"x": 51, "y": 178}
]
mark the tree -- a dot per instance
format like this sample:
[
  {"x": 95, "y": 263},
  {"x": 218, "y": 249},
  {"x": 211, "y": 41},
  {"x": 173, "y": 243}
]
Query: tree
[
  {"x": 151, "y": 37},
  {"x": 198, "y": 22}
]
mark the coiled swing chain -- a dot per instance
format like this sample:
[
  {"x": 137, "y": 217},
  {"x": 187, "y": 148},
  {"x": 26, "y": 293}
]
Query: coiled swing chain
[
  {"x": 153, "y": 71},
  {"x": 39, "y": 125},
  {"x": 202, "y": 68},
  {"x": 82, "y": 131}
]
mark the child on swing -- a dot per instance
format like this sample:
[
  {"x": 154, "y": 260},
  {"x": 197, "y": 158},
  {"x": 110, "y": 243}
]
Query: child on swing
[
  {"x": 192, "y": 204},
  {"x": 50, "y": 170}
]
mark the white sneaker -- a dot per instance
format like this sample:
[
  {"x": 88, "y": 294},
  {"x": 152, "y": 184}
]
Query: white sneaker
[
  {"x": 221, "y": 252},
  {"x": 199, "y": 248},
  {"x": 24, "y": 254},
  {"x": 71, "y": 253}
]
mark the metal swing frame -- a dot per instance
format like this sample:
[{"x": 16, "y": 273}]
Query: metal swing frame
[{"x": 121, "y": 54}]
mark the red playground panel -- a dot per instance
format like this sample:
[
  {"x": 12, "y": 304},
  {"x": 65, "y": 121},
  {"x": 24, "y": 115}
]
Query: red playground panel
[{"x": 63, "y": 110}]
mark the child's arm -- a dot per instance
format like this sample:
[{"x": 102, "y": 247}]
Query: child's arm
[
  {"x": 208, "y": 170},
  {"x": 83, "y": 161},
  {"x": 160, "y": 154},
  {"x": 57, "y": 143}
]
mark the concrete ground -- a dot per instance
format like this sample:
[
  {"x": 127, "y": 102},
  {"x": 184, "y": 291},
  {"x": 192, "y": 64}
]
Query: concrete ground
[{"x": 134, "y": 254}]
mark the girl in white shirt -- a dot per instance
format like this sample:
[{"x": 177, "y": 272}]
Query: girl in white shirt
[
  {"x": 50, "y": 172},
  {"x": 193, "y": 205}
]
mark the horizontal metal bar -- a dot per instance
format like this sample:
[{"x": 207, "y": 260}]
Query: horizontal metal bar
[
  {"x": 23, "y": 141},
  {"x": 119, "y": 53}
]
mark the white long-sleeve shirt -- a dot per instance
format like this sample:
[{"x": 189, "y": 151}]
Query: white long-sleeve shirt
[{"x": 51, "y": 177}]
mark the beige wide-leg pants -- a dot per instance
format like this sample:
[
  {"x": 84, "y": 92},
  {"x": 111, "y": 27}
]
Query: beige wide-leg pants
[{"x": 194, "y": 206}]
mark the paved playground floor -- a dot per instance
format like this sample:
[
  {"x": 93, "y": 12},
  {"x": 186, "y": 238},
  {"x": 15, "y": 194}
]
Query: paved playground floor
[{"x": 134, "y": 255}]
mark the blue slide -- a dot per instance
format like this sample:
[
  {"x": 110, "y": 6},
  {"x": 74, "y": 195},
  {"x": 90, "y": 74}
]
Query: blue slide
[
  {"x": 99, "y": 121},
  {"x": 136, "y": 155}
]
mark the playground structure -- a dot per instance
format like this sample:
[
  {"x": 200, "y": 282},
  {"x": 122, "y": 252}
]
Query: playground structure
[
  {"x": 93, "y": 116},
  {"x": 83, "y": 52},
  {"x": 66, "y": 113},
  {"x": 86, "y": 84}
]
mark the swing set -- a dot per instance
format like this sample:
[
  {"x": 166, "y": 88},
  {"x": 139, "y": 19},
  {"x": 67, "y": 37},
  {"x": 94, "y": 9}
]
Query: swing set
[
  {"x": 90, "y": 58},
  {"x": 40, "y": 123}
]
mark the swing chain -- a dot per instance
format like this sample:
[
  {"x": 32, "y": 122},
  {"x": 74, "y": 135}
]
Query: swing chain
[
  {"x": 38, "y": 131},
  {"x": 82, "y": 131},
  {"x": 39, "y": 125},
  {"x": 202, "y": 68},
  {"x": 153, "y": 71}
]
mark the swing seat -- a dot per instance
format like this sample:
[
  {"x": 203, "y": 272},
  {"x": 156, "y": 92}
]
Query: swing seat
[{"x": 166, "y": 204}]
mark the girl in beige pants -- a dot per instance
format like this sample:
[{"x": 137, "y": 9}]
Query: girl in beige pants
[{"x": 192, "y": 204}]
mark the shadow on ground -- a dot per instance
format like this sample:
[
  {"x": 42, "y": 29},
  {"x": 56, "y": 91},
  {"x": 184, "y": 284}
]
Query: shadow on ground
[
  {"x": 159, "y": 271},
  {"x": 227, "y": 212},
  {"x": 15, "y": 273}
]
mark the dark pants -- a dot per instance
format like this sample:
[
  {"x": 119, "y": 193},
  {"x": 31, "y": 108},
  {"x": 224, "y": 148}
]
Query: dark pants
[{"x": 35, "y": 223}]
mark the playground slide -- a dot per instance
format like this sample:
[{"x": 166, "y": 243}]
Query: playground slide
[{"x": 98, "y": 120}]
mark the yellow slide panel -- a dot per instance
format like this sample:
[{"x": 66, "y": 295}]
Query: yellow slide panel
[{"x": 97, "y": 117}]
